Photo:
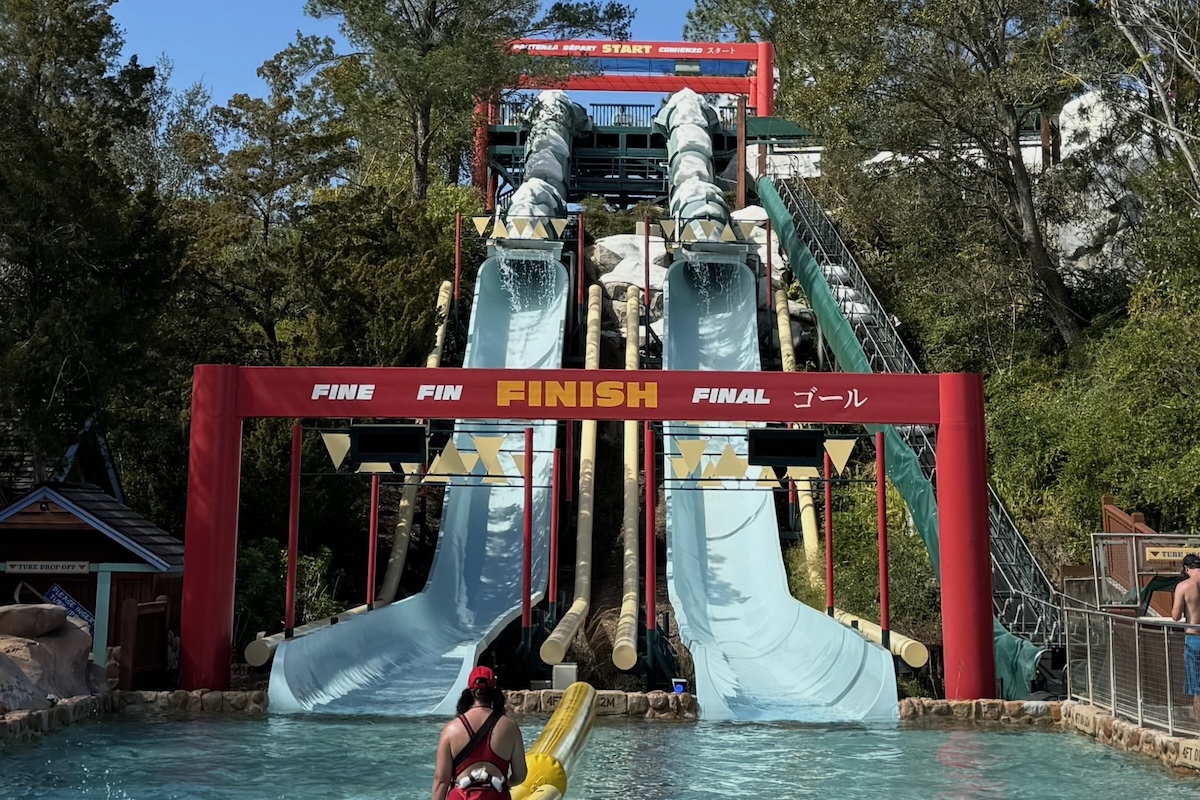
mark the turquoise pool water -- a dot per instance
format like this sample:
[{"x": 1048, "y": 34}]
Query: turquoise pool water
[{"x": 378, "y": 759}]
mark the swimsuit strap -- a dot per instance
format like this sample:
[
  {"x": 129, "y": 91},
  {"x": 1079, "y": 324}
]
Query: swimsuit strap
[{"x": 463, "y": 719}]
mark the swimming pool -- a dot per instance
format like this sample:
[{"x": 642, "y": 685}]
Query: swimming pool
[{"x": 388, "y": 759}]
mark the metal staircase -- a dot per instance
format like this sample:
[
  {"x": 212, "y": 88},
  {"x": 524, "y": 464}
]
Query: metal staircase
[{"x": 1023, "y": 598}]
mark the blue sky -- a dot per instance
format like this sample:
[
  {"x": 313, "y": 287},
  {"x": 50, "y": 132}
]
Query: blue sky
[{"x": 221, "y": 43}]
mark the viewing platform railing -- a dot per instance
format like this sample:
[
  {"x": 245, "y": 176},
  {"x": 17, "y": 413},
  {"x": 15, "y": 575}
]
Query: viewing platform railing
[{"x": 1132, "y": 667}]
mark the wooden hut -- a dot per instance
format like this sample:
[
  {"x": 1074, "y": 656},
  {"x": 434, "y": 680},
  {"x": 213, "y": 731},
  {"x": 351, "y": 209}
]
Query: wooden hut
[{"x": 77, "y": 546}]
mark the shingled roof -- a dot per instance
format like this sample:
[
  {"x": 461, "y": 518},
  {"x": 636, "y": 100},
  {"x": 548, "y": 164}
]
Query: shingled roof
[{"x": 115, "y": 520}]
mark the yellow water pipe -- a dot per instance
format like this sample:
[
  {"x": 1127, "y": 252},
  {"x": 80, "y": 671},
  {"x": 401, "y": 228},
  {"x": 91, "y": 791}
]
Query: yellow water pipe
[
  {"x": 554, "y": 649},
  {"x": 554, "y": 754},
  {"x": 624, "y": 653}
]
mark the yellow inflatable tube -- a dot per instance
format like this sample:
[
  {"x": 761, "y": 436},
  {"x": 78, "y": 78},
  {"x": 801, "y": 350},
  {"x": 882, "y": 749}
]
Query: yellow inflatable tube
[{"x": 557, "y": 749}]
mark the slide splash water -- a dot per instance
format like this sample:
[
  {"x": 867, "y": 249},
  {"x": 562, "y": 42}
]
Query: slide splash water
[{"x": 759, "y": 654}]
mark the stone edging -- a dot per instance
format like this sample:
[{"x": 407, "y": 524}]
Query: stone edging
[
  {"x": 1098, "y": 723},
  {"x": 21, "y": 726},
  {"x": 1021, "y": 712},
  {"x": 609, "y": 703}
]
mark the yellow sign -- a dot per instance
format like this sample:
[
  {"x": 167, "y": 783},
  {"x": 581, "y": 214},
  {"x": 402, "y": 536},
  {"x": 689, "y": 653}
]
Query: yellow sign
[
  {"x": 626, "y": 49},
  {"x": 1165, "y": 553},
  {"x": 578, "y": 394}
]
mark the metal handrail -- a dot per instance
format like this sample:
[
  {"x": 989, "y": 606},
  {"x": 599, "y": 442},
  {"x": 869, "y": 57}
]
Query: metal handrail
[
  {"x": 1022, "y": 583},
  {"x": 1138, "y": 682}
]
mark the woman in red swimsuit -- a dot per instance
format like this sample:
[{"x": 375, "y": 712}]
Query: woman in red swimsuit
[{"x": 480, "y": 753}]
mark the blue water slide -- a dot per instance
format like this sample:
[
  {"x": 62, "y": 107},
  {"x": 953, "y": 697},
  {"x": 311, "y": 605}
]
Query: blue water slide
[{"x": 413, "y": 657}]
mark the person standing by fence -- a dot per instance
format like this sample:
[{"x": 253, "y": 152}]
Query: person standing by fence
[{"x": 1187, "y": 604}]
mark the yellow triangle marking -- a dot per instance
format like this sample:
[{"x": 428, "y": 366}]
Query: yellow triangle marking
[
  {"x": 679, "y": 468},
  {"x": 519, "y": 463},
  {"x": 374, "y": 466},
  {"x": 839, "y": 452},
  {"x": 469, "y": 460},
  {"x": 747, "y": 229},
  {"x": 409, "y": 468},
  {"x": 804, "y": 473},
  {"x": 449, "y": 462},
  {"x": 499, "y": 232},
  {"x": 337, "y": 445},
  {"x": 560, "y": 225},
  {"x": 668, "y": 228},
  {"x": 729, "y": 465},
  {"x": 481, "y": 223},
  {"x": 689, "y": 234},
  {"x": 708, "y": 226},
  {"x": 767, "y": 479},
  {"x": 709, "y": 477},
  {"x": 489, "y": 453},
  {"x": 691, "y": 450},
  {"x": 727, "y": 234},
  {"x": 499, "y": 480},
  {"x": 521, "y": 225},
  {"x": 540, "y": 232}
]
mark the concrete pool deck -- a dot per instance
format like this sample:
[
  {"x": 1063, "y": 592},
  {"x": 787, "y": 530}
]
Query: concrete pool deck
[{"x": 1172, "y": 751}]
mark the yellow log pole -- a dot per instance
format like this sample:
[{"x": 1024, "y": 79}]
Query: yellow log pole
[
  {"x": 403, "y": 534},
  {"x": 784, "y": 321},
  {"x": 808, "y": 512},
  {"x": 554, "y": 649},
  {"x": 259, "y": 651},
  {"x": 443, "y": 310},
  {"x": 813, "y": 562},
  {"x": 914, "y": 653},
  {"x": 624, "y": 653}
]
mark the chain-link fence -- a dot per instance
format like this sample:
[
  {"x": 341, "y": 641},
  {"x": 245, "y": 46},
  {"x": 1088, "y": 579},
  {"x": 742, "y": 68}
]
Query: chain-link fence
[{"x": 1135, "y": 667}]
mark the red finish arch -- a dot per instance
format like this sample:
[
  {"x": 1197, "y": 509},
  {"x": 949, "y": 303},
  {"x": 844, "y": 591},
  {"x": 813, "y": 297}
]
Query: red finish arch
[{"x": 224, "y": 396}]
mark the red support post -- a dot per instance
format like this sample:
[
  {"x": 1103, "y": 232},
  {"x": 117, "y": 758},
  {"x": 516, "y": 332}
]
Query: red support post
[
  {"x": 764, "y": 105},
  {"x": 793, "y": 504},
  {"x": 881, "y": 505},
  {"x": 373, "y": 537},
  {"x": 479, "y": 165},
  {"x": 966, "y": 577},
  {"x": 289, "y": 602},
  {"x": 554, "y": 488},
  {"x": 527, "y": 548},
  {"x": 458, "y": 228},
  {"x": 210, "y": 548},
  {"x": 828, "y": 535},
  {"x": 651, "y": 567}
]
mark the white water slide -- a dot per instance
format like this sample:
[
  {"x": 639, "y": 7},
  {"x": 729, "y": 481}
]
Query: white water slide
[
  {"x": 759, "y": 653},
  {"x": 412, "y": 658}
]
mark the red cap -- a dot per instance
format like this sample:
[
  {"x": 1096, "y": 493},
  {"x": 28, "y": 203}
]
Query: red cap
[{"x": 482, "y": 677}]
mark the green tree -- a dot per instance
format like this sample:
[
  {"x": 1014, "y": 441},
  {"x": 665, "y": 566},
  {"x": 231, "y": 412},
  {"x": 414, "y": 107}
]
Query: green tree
[
  {"x": 85, "y": 264},
  {"x": 419, "y": 68},
  {"x": 949, "y": 87}
]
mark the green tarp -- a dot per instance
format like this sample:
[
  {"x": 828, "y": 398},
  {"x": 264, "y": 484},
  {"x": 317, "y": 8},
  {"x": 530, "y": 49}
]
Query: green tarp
[{"x": 1016, "y": 658}]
